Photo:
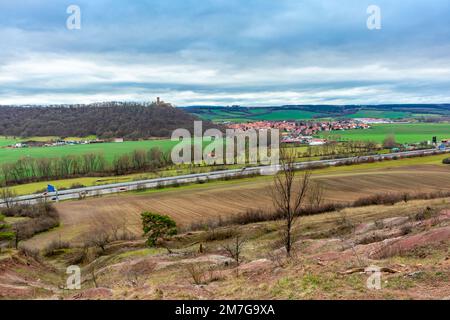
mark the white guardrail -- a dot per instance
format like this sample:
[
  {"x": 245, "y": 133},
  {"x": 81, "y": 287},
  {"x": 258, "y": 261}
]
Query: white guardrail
[{"x": 192, "y": 178}]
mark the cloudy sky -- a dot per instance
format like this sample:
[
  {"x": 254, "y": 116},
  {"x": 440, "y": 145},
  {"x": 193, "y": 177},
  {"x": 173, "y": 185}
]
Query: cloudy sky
[{"x": 223, "y": 52}]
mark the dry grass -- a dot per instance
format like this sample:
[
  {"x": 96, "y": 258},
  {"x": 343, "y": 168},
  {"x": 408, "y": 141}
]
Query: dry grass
[{"x": 315, "y": 271}]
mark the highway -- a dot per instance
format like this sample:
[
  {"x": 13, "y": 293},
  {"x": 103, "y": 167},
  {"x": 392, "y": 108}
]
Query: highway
[{"x": 215, "y": 175}]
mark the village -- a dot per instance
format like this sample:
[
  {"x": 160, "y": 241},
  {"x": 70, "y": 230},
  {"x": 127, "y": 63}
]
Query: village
[{"x": 303, "y": 131}]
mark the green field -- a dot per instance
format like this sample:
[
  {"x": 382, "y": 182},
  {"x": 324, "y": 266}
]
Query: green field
[
  {"x": 267, "y": 113},
  {"x": 285, "y": 115},
  {"x": 255, "y": 114},
  {"x": 379, "y": 114},
  {"x": 110, "y": 150},
  {"x": 4, "y": 141},
  {"x": 404, "y": 133}
]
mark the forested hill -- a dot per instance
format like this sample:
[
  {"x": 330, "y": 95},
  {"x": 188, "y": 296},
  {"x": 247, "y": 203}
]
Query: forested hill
[{"x": 107, "y": 120}]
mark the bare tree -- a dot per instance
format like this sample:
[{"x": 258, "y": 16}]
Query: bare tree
[
  {"x": 234, "y": 248},
  {"x": 94, "y": 277},
  {"x": 134, "y": 275},
  {"x": 99, "y": 237},
  {"x": 289, "y": 193},
  {"x": 17, "y": 235},
  {"x": 196, "y": 272},
  {"x": 347, "y": 230},
  {"x": 315, "y": 195},
  {"x": 389, "y": 142}
]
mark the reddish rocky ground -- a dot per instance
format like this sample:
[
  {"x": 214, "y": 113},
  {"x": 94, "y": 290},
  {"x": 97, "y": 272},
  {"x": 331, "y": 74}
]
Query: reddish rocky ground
[{"x": 408, "y": 242}]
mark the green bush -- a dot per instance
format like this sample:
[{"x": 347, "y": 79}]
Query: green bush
[
  {"x": 446, "y": 161},
  {"x": 7, "y": 236},
  {"x": 3, "y": 224},
  {"x": 157, "y": 226}
]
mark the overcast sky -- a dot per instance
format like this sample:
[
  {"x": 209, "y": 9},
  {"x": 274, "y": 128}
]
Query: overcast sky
[{"x": 223, "y": 52}]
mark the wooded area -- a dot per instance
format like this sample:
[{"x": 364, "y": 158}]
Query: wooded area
[{"x": 106, "y": 120}]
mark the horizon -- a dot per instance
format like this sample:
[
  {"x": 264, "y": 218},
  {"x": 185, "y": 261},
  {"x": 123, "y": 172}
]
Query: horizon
[
  {"x": 226, "y": 106},
  {"x": 257, "y": 53}
]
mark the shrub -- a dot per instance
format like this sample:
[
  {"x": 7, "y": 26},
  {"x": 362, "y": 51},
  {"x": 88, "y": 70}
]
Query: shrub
[
  {"x": 3, "y": 224},
  {"x": 406, "y": 229},
  {"x": 344, "y": 226},
  {"x": 82, "y": 255},
  {"x": 77, "y": 186},
  {"x": 253, "y": 216},
  {"x": 446, "y": 161},
  {"x": 389, "y": 142},
  {"x": 157, "y": 226},
  {"x": 196, "y": 272},
  {"x": 30, "y": 253},
  {"x": 218, "y": 235},
  {"x": 43, "y": 217},
  {"x": 7, "y": 235},
  {"x": 27, "y": 229},
  {"x": 55, "y": 247},
  {"x": 99, "y": 238}
]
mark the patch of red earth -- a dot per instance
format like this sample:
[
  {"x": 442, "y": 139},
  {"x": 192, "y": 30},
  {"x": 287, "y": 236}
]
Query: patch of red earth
[
  {"x": 384, "y": 223},
  {"x": 256, "y": 267},
  {"x": 139, "y": 266},
  {"x": 335, "y": 255},
  {"x": 15, "y": 285},
  {"x": 94, "y": 294},
  {"x": 443, "y": 292},
  {"x": 9, "y": 291},
  {"x": 188, "y": 291},
  {"x": 371, "y": 246},
  {"x": 404, "y": 244},
  {"x": 312, "y": 246},
  {"x": 130, "y": 270},
  {"x": 442, "y": 217},
  {"x": 378, "y": 235}
]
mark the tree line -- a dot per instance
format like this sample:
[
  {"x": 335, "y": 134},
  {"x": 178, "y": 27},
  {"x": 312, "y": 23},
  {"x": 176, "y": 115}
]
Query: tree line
[{"x": 92, "y": 164}]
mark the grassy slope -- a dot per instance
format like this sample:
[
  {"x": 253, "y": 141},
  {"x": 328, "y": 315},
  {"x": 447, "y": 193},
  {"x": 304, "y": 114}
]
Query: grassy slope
[{"x": 314, "y": 272}]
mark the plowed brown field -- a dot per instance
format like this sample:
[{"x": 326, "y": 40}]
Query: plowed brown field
[{"x": 201, "y": 202}]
